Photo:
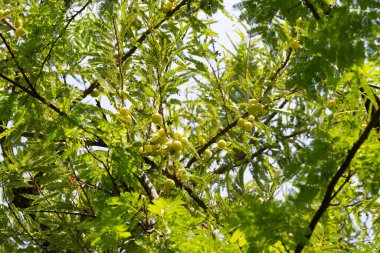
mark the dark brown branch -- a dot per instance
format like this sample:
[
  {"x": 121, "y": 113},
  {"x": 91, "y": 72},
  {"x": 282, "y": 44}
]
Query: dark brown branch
[
  {"x": 149, "y": 31},
  {"x": 313, "y": 10},
  {"x": 8, "y": 24},
  {"x": 61, "y": 212},
  {"x": 86, "y": 92},
  {"x": 33, "y": 94},
  {"x": 328, "y": 197},
  {"x": 23, "y": 73},
  {"x": 243, "y": 159},
  {"x": 102, "y": 112},
  {"x": 213, "y": 139},
  {"x": 118, "y": 59},
  {"x": 295, "y": 6},
  {"x": 21, "y": 223},
  {"x": 181, "y": 185},
  {"x": 374, "y": 86}
]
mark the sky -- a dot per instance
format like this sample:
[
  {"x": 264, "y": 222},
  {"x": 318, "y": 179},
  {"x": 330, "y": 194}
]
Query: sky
[{"x": 225, "y": 26}]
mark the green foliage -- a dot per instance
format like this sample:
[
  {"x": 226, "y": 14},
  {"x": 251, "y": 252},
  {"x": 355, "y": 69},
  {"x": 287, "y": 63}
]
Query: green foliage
[{"x": 84, "y": 168}]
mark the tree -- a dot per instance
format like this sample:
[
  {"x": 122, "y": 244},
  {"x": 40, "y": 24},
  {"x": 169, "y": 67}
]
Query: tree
[{"x": 123, "y": 127}]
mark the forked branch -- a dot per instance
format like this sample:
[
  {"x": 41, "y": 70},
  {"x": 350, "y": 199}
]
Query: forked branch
[{"x": 330, "y": 193}]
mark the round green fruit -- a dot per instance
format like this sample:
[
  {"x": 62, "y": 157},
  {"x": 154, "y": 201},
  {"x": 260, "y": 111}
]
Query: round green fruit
[
  {"x": 178, "y": 135},
  {"x": 251, "y": 118},
  {"x": 184, "y": 141},
  {"x": 19, "y": 23},
  {"x": 177, "y": 155},
  {"x": 161, "y": 133},
  {"x": 128, "y": 118},
  {"x": 222, "y": 144},
  {"x": 294, "y": 44},
  {"x": 207, "y": 154},
  {"x": 255, "y": 109},
  {"x": 241, "y": 122},
  {"x": 2, "y": 12},
  {"x": 124, "y": 112},
  {"x": 200, "y": 120},
  {"x": 168, "y": 7},
  {"x": 163, "y": 140},
  {"x": 253, "y": 101},
  {"x": 248, "y": 127},
  {"x": 176, "y": 145},
  {"x": 162, "y": 151},
  {"x": 20, "y": 32},
  {"x": 157, "y": 118},
  {"x": 95, "y": 93},
  {"x": 181, "y": 173},
  {"x": 331, "y": 102},
  {"x": 169, "y": 184},
  {"x": 148, "y": 148}
]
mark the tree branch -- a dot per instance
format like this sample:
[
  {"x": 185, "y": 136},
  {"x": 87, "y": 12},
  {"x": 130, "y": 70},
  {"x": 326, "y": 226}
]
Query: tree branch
[
  {"x": 23, "y": 73},
  {"x": 149, "y": 31},
  {"x": 61, "y": 212},
  {"x": 223, "y": 168},
  {"x": 213, "y": 139},
  {"x": 107, "y": 169},
  {"x": 21, "y": 223},
  {"x": 33, "y": 94},
  {"x": 148, "y": 186},
  {"x": 181, "y": 185},
  {"x": 8, "y": 24},
  {"x": 313, "y": 10},
  {"x": 60, "y": 36},
  {"x": 328, "y": 197}
]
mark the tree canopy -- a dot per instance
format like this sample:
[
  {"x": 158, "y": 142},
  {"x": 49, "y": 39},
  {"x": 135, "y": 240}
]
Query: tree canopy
[{"x": 127, "y": 126}]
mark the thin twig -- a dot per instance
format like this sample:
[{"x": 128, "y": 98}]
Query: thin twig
[
  {"x": 149, "y": 31},
  {"x": 61, "y": 212},
  {"x": 21, "y": 223},
  {"x": 243, "y": 159},
  {"x": 115, "y": 188},
  {"x": 34, "y": 94},
  {"x": 60, "y": 36},
  {"x": 8, "y": 24}
]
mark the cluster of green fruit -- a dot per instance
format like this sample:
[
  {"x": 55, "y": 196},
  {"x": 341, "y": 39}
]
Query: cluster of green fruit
[
  {"x": 18, "y": 25},
  {"x": 253, "y": 108},
  {"x": 162, "y": 145},
  {"x": 207, "y": 154},
  {"x": 124, "y": 114},
  {"x": 20, "y": 30},
  {"x": 168, "y": 6},
  {"x": 160, "y": 142}
]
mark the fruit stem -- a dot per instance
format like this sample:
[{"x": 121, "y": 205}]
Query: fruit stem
[{"x": 8, "y": 24}]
